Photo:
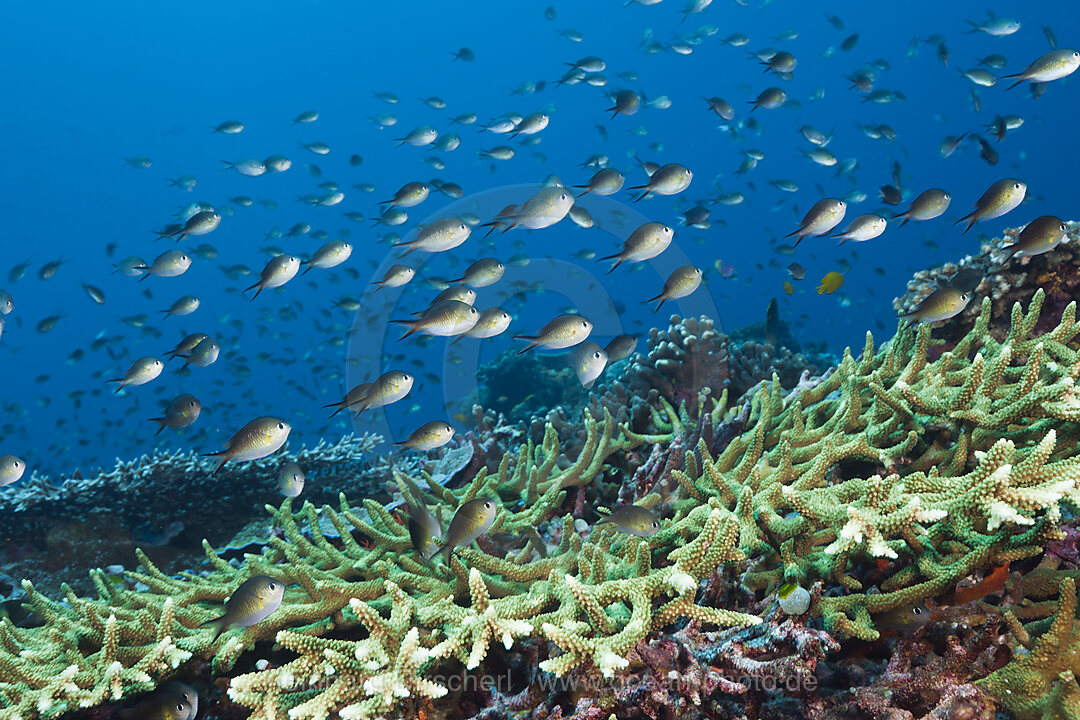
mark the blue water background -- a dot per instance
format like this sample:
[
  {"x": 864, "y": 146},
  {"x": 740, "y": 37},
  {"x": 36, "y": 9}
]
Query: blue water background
[{"x": 88, "y": 84}]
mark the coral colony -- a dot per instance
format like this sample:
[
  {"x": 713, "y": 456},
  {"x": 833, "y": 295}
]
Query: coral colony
[{"x": 886, "y": 505}]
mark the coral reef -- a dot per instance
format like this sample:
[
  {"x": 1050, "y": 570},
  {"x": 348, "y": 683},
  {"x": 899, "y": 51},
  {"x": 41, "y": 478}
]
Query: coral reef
[
  {"x": 1057, "y": 273},
  {"x": 911, "y": 473},
  {"x": 68, "y": 526}
]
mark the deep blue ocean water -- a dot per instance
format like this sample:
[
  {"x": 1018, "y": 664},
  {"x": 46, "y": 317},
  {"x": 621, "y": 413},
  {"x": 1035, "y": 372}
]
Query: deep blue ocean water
[{"x": 91, "y": 84}]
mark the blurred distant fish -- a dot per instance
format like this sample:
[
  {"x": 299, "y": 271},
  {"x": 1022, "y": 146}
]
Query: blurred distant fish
[
  {"x": 998, "y": 27},
  {"x": 606, "y": 181},
  {"x": 562, "y": 332},
  {"x": 928, "y": 205},
  {"x": 448, "y": 318},
  {"x": 249, "y": 167},
  {"x": 950, "y": 143},
  {"x": 229, "y": 127},
  {"x": 644, "y": 243},
  {"x": 182, "y": 412},
  {"x": 429, "y": 436},
  {"x": 140, "y": 373},
  {"x": 277, "y": 272},
  {"x": 721, "y": 107},
  {"x": 682, "y": 282},
  {"x": 769, "y": 99},
  {"x": 830, "y": 283},
  {"x": 395, "y": 276},
  {"x": 942, "y": 304},
  {"x": 772, "y": 322},
  {"x": 987, "y": 151},
  {"x": 822, "y": 217},
  {"x": 170, "y": 263},
  {"x": 621, "y": 346},
  {"x": 863, "y": 228},
  {"x": 439, "y": 236},
  {"x": 483, "y": 272}
]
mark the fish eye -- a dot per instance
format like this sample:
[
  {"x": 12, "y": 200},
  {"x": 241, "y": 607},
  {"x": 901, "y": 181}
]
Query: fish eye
[
  {"x": 916, "y": 610},
  {"x": 281, "y": 426},
  {"x": 655, "y": 524},
  {"x": 487, "y": 505},
  {"x": 596, "y": 355},
  {"x": 15, "y": 464},
  {"x": 180, "y": 707},
  {"x": 946, "y": 196},
  {"x": 192, "y": 404},
  {"x": 272, "y": 586},
  {"x": 584, "y": 323}
]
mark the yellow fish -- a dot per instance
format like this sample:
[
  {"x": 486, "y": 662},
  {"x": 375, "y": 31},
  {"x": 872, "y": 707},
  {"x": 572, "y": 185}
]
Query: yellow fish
[{"x": 830, "y": 283}]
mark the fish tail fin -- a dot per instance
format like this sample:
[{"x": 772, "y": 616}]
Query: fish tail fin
[
  {"x": 162, "y": 424},
  {"x": 799, "y": 240},
  {"x": 217, "y": 625},
  {"x": 970, "y": 217},
  {"x": 307, "y": 269},
  {"x": 1011, "y": 251},
  {"x": 531, "y": 339},
  {"x": 413, "y": 327},
  {"x": 220, "y": 458},
  {"x": 615, "y": 266},
  {"x": 1018, "y": 82}
]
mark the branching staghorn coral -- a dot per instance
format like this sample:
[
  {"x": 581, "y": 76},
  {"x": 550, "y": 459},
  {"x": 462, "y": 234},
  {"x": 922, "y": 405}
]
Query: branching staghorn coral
[
  {"x": 341, "y": 583},
  {"x": 937, "y": 462},
  {"x": 948, "y": 465}
]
